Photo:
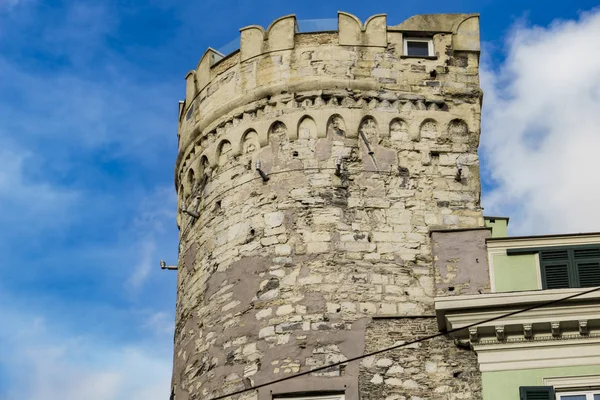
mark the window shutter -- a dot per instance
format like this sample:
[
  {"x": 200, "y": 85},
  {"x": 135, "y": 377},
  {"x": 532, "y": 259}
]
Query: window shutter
[
  {"x": 555, "y": 276},
  {"x": 536, "y": 392},
  {"x": 587, "y": 264},
  {"x": 555, "y": 269},
  {"x": 589, "y": 273},
  {"x": 586, "y": 253}
]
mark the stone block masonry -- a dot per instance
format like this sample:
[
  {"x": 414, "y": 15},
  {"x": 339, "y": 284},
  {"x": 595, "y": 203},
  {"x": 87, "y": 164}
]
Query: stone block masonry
[
  {"x": 284, "y": 275},
  {"x": 434, "y": 369}
]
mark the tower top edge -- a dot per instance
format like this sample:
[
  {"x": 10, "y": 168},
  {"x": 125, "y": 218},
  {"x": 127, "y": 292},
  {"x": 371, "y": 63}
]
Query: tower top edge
[{"x": 255, "y": 41}]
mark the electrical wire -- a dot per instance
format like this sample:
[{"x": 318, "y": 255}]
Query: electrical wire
[{"x": 425, "y": 338}]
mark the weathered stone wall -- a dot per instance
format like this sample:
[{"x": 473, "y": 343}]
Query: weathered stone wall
[
  {"x": 283, "y": 276},
  {"x": 437, "y": 369},
  {"x": 460, "y": 261}
]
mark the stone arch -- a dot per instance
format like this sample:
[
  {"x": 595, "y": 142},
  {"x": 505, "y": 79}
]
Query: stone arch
[
  {"x": 428, "y": 128},
  {"x": 204, "y": 165},
  {"x": 368, "y": 126},
  {"x": 250, "y": 143},
  {"x": 336, "y": 126},
  {"x": 398, "y": 129},
  {"x": 190, "y": 181},
  {"x": 224, "y": 152},
  {"x": 278, "y": 131},
  {"x": 307, "y": 128},
  {"x": 457, "y": 127}
]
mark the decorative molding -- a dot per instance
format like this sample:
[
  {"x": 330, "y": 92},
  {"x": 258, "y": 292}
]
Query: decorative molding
[
  {"x": 542, "y": 241},
  {"x": 555, "y": 328},
  {"x": 389, "y": 103},
  {"x": 537, "y": 339},
  {"x": 473, "y": 334},
  {"x": 529, "y": 354},
  {"x": 500, "y": 335},
  {"x": 572, "y": 382},
  {"x": 563, "y": 334},
  {"x": 583, "y": 327},
  {"x": 231, "y": 128},
  {"x": 513, "y": 299},
  {"x": 528, "y": 331}
]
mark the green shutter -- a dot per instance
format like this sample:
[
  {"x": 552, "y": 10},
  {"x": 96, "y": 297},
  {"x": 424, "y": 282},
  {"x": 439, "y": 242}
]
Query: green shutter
[
  {"x": 554, "y": 255},
  {"x": 568, "y": 266},
  {"x": 536, "y": 392},
  {"x": 587, "y": 265},
  {"x": 586, "y": 253},
  {"x": 589, "y": 273},
  {"x": 555, "y": 269},
  {"x": 555, "y": 275}
]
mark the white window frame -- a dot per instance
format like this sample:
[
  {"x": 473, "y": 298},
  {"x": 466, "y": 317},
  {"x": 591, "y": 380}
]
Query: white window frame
[
  {"x": 429, "y": 41},
  {"x": 587, "y": 385},
  {"x": 589, "y": 394}
]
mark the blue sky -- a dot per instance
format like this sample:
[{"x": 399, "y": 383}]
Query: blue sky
[{"x": 88, "y": 118}]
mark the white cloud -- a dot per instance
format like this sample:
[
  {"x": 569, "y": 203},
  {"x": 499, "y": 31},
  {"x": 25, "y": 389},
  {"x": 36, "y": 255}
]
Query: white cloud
[
  {"x": 541, "y": 128},
  {"x": 161, "y": 323},
  {"x": 152, "y": 215},
  {"x": 45, "y": 363},
  {"x": 35, "y": 201},
  {"x": 145, "y": 263}
]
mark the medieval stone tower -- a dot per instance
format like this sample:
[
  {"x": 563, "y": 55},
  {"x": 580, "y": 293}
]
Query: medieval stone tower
[{"x": 311, "y": 169}]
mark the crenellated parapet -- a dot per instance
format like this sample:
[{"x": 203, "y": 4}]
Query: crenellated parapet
[
  {"x": 353, "y": 33},
  {"x": 359, "y": 57},
  {"x": 278, "y": 36}
]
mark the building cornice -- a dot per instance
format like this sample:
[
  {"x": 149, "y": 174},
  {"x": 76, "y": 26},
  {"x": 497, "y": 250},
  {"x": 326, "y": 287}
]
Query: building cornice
[{"x": 560, "y": 334}]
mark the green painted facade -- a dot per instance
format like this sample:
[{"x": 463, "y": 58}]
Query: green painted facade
[
  {"x": 499, "y": 226},
  {"x": 504, "y": 385},
  {"x": 515, "y": 273}
]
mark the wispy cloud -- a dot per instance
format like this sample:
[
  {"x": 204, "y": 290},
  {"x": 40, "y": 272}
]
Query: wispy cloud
[
  {"x": 540, "y": 127},
  {"x": 62, "y": 366},
  {"x": 161, "y": 323},
  {"x": 146, "y": 262},
  {"x": 36, "y": 201}
]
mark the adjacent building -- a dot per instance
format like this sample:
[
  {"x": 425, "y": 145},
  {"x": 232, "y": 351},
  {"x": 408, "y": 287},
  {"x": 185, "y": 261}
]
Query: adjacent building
[
  {"x": 329, "y": 196},
  {"x": 550, "y": 352}
]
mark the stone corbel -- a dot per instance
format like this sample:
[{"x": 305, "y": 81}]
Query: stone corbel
[
  {"x": 583, "y": 328},
  {"x": 528, "y": 331},
  {"x": 473, "y": 335},
  {"x": 555, "y": 327},
  {"x": 500, "y": 333}
]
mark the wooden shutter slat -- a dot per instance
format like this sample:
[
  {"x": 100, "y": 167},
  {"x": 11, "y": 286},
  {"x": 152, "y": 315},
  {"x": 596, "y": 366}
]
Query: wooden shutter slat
[
  {"x": 554, "y": 255},
  {"x": 556, "y": 276},
  {"x": 590, "y": 252},
  {"x": 589, "y": 273}
]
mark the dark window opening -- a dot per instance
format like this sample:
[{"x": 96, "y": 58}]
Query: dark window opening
[{"x": 417, "y": 49}]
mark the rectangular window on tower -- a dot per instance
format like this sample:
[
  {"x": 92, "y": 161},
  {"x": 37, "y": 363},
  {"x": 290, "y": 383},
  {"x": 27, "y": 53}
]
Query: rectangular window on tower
[{"x": 418, "y": 47}]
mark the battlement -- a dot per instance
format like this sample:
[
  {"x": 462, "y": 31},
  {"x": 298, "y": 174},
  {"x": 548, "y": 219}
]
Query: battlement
[
  {"x": 358, "y": 57},
  {"x": 280, "y": 35}
]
